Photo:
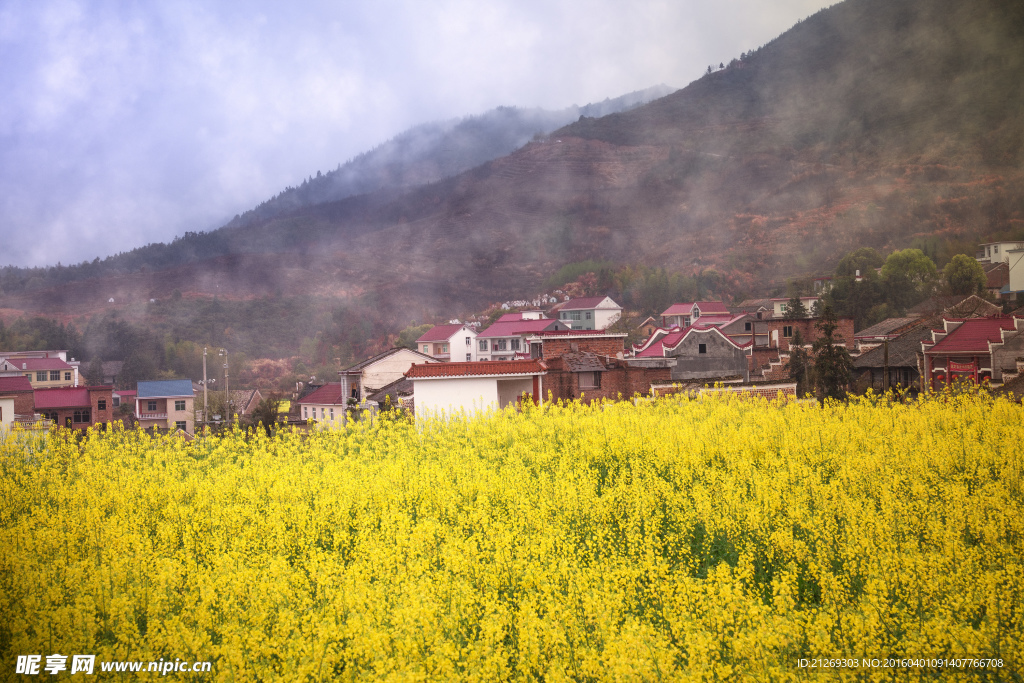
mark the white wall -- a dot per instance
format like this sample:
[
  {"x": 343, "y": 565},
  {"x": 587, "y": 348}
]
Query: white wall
[
  {"x": 510, "y": 390},
  {"x": 457, "y": 348},
  {"x": 472, "y": 394},
  {"x": 6, "y": 412},
  {"x": 390, "y": 369},
  {"x": 1017, "y": 272},
  {"x": 605, "y": 317}
]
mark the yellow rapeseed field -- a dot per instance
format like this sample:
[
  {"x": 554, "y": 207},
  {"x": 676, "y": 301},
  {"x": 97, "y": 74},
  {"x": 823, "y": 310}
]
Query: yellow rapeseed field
[{"x": 676, "y": 539}]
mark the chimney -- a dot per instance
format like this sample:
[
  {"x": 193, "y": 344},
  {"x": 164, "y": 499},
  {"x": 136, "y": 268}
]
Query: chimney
[{"x": 24, "y": 366}]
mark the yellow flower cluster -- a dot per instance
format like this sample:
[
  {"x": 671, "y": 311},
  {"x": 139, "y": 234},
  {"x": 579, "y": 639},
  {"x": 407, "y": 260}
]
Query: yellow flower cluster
[{"x": 709, "y": 538}]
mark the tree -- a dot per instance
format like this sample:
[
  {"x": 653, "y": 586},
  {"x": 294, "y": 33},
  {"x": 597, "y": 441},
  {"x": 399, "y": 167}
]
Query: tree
[
  {"x": 795, "y": 308},
  {"x": 94, "y": 375},
  {"x": 908, "y": 277},
  {"x": 265, "y": 413},
  {"x": 833, "y": 366},
  {"x": 864, "y": 259},
  {"x": 799, "y": 364},
  {"x": 964, "y": 275},
  {"x": 407, "y": 337}
]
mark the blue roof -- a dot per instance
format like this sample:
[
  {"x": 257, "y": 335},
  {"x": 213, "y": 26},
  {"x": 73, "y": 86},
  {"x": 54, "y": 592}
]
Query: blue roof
[{"x": 165, "y": 388}]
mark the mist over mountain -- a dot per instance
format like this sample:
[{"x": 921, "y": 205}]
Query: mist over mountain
[
  {"x": 873, "y": 123},
  {"x": 434, "y": 151}
]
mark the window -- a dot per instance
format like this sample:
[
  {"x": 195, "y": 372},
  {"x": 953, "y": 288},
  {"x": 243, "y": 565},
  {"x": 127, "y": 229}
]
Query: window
[
  {"x": 54, "y": 375},
  {"x": 469, "y": 341},
  {"x": 332, "y": 414},
  {"x": 67, "y": 375},
  {"x": 41, "y": 375},
  {"x": 305, "y": 412},
  {"x": 151, "y": 406},
  {"x": 179, "y": 405},
  {"x": 515, "y": 344},
  {"x": 426, "y": 348},
  {"x": 469, "y": 356},
  {"x": 501, "y": 345},
  {"x": 787, "y": 331},
  {"x": 702, "y": 348},
  {"x": 588, "y": 315},
  {"x": 116, "y": 401},
  {"x": 101, "y": 404},
  {"x": 574, "y": 315},
  {"x": 182, "y": 425},
  {"x": 782, "y": 307},
  {"x": 82, "y": 415},
  {"x": 590, "y": 380},
  {"x": 995, "y": 249},
  {"x": 483, "y": 344},
  {"x": 746, "y": 327},
  {"x": 444, "y": 348}
]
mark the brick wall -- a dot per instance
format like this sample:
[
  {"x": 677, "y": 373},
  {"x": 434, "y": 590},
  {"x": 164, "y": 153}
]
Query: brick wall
[
  {"x": 618, "y": 380},
  {"x": 106, "y": 394},
  {"x": 554, "y": 347},
  {"x": 844, "y": 331},
  {"x": 24, "y": 402}
]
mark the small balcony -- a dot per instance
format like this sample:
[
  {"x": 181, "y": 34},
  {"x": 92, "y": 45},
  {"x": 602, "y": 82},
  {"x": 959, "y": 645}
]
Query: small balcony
[{"x": 152, "y": 416}]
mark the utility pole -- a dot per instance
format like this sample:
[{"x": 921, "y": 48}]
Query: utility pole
[
  {"x": 885, "y": 363},
  {"x": 227, "y": 395},
  {"x": 206, "y": 402}
]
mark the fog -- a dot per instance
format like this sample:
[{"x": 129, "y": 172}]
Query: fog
[{"x": 131, "y": 123}]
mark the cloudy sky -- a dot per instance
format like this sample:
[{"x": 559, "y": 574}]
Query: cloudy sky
[{"x": 128, "y": 122}]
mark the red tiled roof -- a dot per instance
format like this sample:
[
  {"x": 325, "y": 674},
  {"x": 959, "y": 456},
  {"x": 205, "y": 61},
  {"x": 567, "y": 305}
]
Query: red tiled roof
[
  {"x": 579, "y": 333},
  {"x": 493, "y": 367},
  {"x": 125, "y": 392},
  {"x": 704, "y": 306},
  {"x": 39, "y": 364},
  {"x": 19, "y": 383},
  {"x": 516, "y": 328},
  {"x": 64, "y": 397},
  {"x": 440, "y": 333},
  {"x": 973, "y": 335},
  {"x": 327, "y": 395}
]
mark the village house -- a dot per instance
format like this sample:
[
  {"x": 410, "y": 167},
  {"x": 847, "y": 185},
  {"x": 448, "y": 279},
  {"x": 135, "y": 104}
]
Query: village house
[
  {"x": 700, "y": 353},
  {"x": 453, "y": 342},
  {"x": 685, "y": 314},
  {"x": 19, "y": 388},
  {"x": 326, "y": 405},
  {"x": 364, "y": 378},
  {"x": 43, "y": 373},
  {"x": 507, "y": 338},
  {"x": 780, "y": 305},
  {"x": 593, "y": 377},
  {"x": 553, "y": 343},
  {"x": 589, "y": 313},
  {"x": 75, "y": 407},
  {"x": 887, "y": 330},
  {"x": 896, "y": 355},
  {"x": 976, "y": 349},
  {"x": 993, "y": 252},
  {"x": 442, "y": 389},
  {"x": 26, "y": 363},
  {"x": 166, "y": 404}
]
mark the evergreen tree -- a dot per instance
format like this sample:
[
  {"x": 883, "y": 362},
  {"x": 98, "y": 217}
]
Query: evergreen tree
[
  {"x": 799, "y": 364},
  {"x": 795, "y": 308},
  {"x": 833, "y": 366}
]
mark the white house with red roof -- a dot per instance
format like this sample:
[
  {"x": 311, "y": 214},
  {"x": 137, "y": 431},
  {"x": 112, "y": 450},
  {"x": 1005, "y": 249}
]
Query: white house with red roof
[
  {"x": 325, "y": 405},
  {"x": 589, "y": 313},
  {"x": 453, "y": 342},
  {"x": 441, "y": 389},
  {"x": 508, "y": 339},
  {"x": 683, "y": 315},
  {"x": 977, "y": 349}
]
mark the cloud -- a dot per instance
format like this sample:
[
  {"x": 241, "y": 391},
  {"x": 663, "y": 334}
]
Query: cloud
[{"x": 127, "y": 123}]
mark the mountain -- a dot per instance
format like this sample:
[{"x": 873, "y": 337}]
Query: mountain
[
  {"x": 434, "y": 151},
  {"x": 872, "y": 123}
]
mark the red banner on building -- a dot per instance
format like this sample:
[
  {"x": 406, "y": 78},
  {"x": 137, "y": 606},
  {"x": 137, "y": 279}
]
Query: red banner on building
[{"x": 962, "y": 367}]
